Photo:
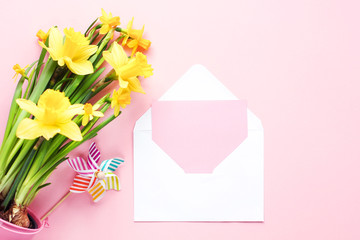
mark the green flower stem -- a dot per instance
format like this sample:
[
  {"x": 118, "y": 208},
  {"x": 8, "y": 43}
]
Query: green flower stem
[
  {"x": 59, "y": 73},
  {"x": 59, "y": 84},
  {"x": 13, "y": 109},
  {"x": 36, "y": 187},
  {"x": 38, "y": 90},
  {"x": 91, "y": 25},
  {"x": 30, "y": 79},
  {"x": 102, "y": 45},
  {"x": 15, "y": 150},
  {"x": 56, "y": 144},
  {"x": 92, "y": 92},
  {"x": 77, "y": 96},
  {"x": 38, "y": 68},
  {"x": 38, "y": 160},
  {"x": 74, "y": 84},
  {"x": 7, "y": 180},
  {"x": 21, "y": 176},
  {"x": 91, "y": 35},
  {"x": 99, "y": 63},
  {"x": 94, "y": 38}
]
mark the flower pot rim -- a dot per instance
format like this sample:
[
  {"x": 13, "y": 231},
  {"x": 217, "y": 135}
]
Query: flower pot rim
[{"x": 21, "y": 230}]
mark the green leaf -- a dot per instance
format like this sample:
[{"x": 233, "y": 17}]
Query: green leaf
[
  {"x": 42, "y": 186},
  {"x": 92, "y": 24}
]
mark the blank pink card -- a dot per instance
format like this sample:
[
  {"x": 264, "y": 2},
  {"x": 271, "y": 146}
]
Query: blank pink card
[{"x": 199, "y": 135}]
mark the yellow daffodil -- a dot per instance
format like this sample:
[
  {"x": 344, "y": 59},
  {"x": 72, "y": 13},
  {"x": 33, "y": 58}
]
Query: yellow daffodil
[
  {"x": 18, "y": 70},
  {"x": 127, "y": 70},
  {"x": 136, "y": 38},
  {"x": 89, "y": 112},
  {"x": 108, "y": 22},
  {"x": 42, "y": 36},
  {"x": 120, "y": 98},
  {"x": 53, "y": 115},
  {"x": 74, "y": 51}
]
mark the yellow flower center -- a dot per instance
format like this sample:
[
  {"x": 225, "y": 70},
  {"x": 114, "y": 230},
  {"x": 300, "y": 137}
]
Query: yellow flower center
[
  {"x": 50, "y": 117},
  {"x": 137, "y": 66},
  {"x": 88, "y": 109},
  {"x": 53, "y": 105}
]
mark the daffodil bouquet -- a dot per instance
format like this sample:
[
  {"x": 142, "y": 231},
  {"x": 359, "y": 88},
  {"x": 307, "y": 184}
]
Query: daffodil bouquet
[{"x": 51, "y": 113}]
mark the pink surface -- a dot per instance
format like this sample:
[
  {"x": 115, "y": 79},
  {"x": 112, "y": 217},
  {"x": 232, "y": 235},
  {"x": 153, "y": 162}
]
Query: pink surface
[
  {"x": 296, "y": 63},
  {"x": 199, "y": 135}
]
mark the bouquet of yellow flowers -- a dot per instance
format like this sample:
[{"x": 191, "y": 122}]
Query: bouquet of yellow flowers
[{"x": 51, "y": 113}]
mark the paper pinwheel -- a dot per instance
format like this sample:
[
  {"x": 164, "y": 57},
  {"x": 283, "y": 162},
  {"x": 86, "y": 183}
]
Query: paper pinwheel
[{"x": 94, "y": 178}]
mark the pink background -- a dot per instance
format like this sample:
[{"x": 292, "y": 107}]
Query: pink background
[{"x": 296, "y": 63}]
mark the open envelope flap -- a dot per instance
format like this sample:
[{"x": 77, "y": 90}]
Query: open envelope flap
[{"x": 204, "y": 86}]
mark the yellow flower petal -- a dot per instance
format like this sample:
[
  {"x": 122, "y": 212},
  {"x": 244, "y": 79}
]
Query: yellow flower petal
[
  {"x": 28, "y": 106},
  {"x": 84, "y": 53},
  {"x": 76, "y": 37},
  {"x": 98, "y": 114},
  {"x": 104, "y": 15},
  {"x": 134, "y": 85},
  {"x": 104, "y": 29},
  {"x": 31, "y": 129},
  {"x": 85, "y": 120},
  {"x": 70, "y": 113},
  {"x": 119, "y": 54},
  {"x": 53, "y": 115},
  {"x": 74, "y": 51},
  {"x": 71, "y": 130},
  {"x": 56, "y": 43},
  {"x": 120, "y": 98},
  {"x": 55, "y": 99},
  {"x": 128, "y": 30},
  {"x": 96, "y": 106},
  {"x": 116, "y": 110},
  {"x": 145, "y": 43},
  {"x": 108, "y": 22},
  {"x": 19, "y": 70},
  {"x": 122, "y": 83},
  {"x": 48, "y": 131},
  {"x": 136, "y": 38},
  {"x": 41, "y": 35},
  {"x": 117, "y": 57},
  {"x": 128, "y": 70},
  {"x": 80, "y": 68}
]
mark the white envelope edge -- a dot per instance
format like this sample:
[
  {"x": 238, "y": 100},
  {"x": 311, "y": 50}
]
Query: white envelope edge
[{"x": 215, "y": 90}]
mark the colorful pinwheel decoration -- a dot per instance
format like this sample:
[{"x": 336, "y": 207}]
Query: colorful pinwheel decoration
[{"x": 94, "y": 178}]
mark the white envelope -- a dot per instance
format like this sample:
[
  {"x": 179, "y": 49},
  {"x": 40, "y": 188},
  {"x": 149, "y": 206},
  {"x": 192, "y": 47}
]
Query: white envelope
[{"x": 234, "y": 191}]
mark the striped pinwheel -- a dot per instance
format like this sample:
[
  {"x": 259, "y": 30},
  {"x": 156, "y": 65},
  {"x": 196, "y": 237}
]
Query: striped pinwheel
[{"x": 94, "y": 178}]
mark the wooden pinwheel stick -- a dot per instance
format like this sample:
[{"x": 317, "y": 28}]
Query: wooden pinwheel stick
[{"x": 55, "y": 206}]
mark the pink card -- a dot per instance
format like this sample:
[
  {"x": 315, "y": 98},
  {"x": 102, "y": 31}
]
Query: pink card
[{"x": 199, "y": 135}]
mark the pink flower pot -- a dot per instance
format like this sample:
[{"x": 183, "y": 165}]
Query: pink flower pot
[{"x": 9, "y": 231}]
